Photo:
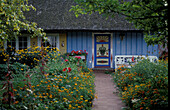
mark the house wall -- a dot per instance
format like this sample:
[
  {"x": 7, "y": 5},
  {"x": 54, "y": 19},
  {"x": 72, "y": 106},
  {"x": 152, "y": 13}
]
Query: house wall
[
  {"x": 132, "y": 44},
  {"x": 34, "y": 41},
  {"x": 63, "y": 39},
  {"x": 80, "y": 41}
]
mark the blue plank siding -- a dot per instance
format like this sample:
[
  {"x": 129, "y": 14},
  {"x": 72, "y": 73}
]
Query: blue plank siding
[
  {"x": 118, "y": 44},
  {"x": 129, "y": 43},
  {"x": 139, "y": 42},
  {"x": 80, "y": 41},
  {"x": 68, "y": 43},
  {"x": 132, "y": 44},
  {"x": 123, "y": 46}
]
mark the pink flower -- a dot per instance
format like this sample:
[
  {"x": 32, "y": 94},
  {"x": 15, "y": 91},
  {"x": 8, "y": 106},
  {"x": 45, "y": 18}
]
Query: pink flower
[{"x": 66, "y": 60}]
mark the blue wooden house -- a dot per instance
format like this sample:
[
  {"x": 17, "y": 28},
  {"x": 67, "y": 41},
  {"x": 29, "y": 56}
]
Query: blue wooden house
[{"x": 102, "y": 38}]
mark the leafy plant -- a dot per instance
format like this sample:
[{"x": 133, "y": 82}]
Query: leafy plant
[{"x": 144, "y": 86}]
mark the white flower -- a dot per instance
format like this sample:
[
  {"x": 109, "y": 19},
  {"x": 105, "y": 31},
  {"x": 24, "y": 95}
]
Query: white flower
[
  {"x": 135, "y": 100},
  {"x": 30, "y": 91},
  {"x": 25, "y": 107}
]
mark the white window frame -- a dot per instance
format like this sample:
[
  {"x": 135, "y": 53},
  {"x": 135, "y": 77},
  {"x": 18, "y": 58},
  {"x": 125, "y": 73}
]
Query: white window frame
[
  {"x": 51, "y": 35},
  {"x": 17, "y": 42}
]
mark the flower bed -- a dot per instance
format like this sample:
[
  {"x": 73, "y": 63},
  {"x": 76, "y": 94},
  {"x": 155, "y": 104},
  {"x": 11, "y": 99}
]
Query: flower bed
[
  {"x": 144, "y": 86},
  {"x": 62, "y": 83}
]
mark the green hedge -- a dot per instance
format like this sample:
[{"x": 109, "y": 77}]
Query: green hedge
[{"x": 144, "y": 86}]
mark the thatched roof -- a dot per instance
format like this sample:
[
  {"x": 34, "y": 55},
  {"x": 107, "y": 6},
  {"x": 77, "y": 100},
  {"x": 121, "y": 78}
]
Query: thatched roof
[{"x": 55, "y": 15}]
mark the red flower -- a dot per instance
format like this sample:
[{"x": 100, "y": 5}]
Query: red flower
[
  {"x": 86, "y": 53},
  {"x": 69, "y": 69},
  {"x": 64, "y": 69},
  {"x": 66, "y": 60},
  {"x": 76, "y": 52},
  {"x": 133, "y": 59},
  {"x": 78, "y": 57}
]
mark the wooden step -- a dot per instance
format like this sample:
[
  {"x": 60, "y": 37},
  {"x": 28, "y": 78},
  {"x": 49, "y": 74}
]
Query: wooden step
[{"x": 103, "y": 69}]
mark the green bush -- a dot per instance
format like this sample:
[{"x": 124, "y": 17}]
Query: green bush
[
  {"x": 144, "y": 86},
  {"x": 15, "y": 68}
]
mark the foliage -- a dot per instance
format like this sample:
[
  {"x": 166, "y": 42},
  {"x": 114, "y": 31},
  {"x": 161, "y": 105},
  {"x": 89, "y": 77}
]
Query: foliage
[
  {"x": 63, "y": 83},
  {"x": 12, "y": 19},
  {"x": 151, "y": 16},
  {"x": 16, "y": 68},
  {"x": 144, "y": 86},
  {"x": 30, "y": 56}
]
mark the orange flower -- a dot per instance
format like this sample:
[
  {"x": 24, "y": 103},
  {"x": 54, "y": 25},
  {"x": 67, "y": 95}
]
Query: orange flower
[
  {"x": 141, "y": 108},
  {"x": 16, "y": 102}
]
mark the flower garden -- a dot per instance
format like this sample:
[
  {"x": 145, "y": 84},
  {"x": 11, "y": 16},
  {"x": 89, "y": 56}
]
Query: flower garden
[
  {"x": 41, "y": 78},
  {"x": 144, "y": 86}
]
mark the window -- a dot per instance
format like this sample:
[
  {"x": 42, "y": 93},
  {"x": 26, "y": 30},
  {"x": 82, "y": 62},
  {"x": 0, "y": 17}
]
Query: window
[
  {"x": 22, "y": 43},
  {"x": 12, "y": 43},
  {"x": 51, "y": 42},
  {"x": 19, "y": 43}
]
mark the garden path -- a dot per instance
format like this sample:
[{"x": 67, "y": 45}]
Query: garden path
[{"x": 107, "y": 100}]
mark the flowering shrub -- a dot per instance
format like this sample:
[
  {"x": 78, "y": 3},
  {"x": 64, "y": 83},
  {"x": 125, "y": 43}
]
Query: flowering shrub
[
  {"x": 30, "y": 56},
  {"x": 144, "y": 86},
  {"x": 33, "y": 55},
  {"x": 66, "y": 84}
]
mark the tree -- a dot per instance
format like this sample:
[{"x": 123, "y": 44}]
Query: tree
[
  {"x": 13, "y": 21},
  {"x": 151, "y": 16}
]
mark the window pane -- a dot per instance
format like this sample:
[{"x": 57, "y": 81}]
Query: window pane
[
  {"x": 22, "y": 43},
  {"x": 51, "y": 42},
  {"x": 25, "y": 39},
  {"x": 14, "y": 44},
  {"x": 11, "y": 43},
  {"x": 25, "y": 45}
]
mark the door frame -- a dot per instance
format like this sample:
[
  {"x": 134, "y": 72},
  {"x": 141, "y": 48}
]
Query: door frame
[{"x": 111, "y": 48}]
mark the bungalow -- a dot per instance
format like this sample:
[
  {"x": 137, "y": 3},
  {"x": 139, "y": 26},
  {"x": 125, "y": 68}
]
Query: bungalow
[{"x": 102, "y": 38}]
